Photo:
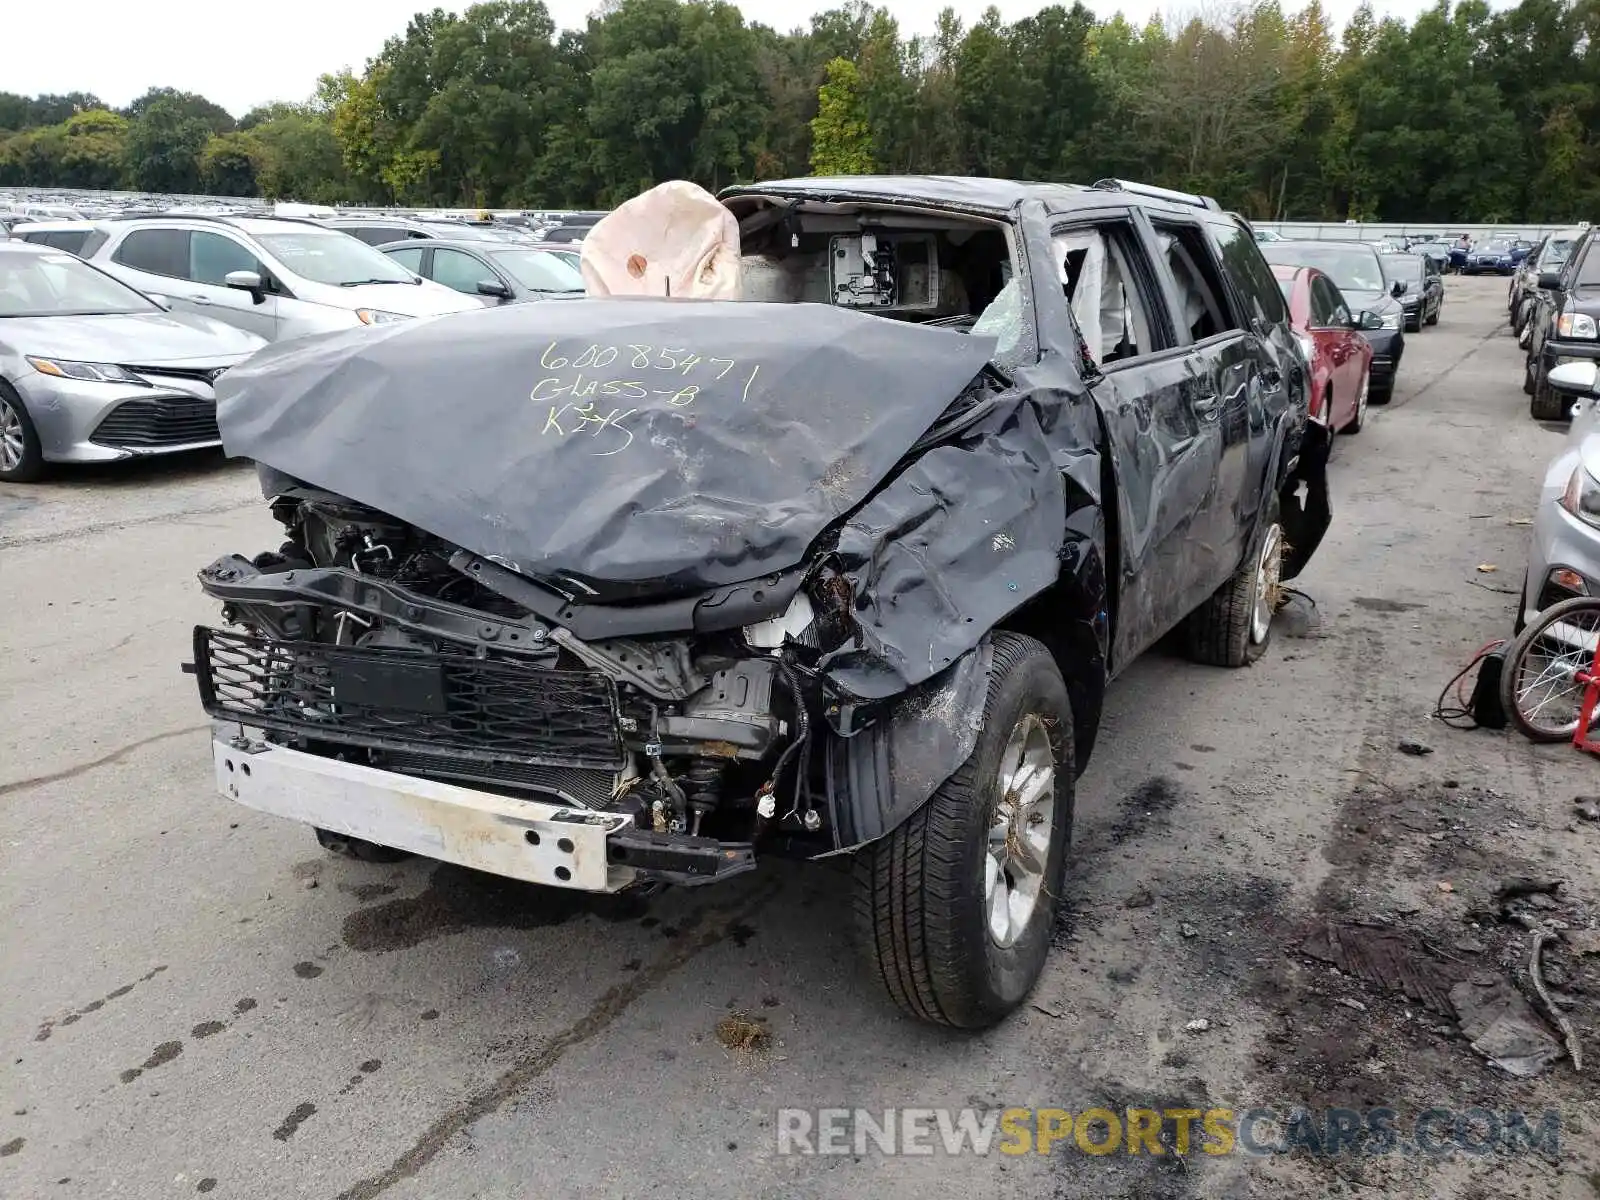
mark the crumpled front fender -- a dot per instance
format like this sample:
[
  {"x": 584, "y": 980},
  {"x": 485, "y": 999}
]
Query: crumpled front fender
[{"x": 882, "y": 773}]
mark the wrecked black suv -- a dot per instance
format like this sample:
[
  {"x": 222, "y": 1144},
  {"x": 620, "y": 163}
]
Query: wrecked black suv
[{"x": 628, "y": 591}]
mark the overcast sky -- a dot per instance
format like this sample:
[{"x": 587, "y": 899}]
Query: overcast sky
[{"x": 244, "y": 57}]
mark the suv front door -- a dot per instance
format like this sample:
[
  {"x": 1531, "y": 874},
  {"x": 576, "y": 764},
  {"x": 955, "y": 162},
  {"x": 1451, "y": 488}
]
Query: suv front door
[
  {"x": 211, "y": 257},
  {"x": 187, "y": 266}
]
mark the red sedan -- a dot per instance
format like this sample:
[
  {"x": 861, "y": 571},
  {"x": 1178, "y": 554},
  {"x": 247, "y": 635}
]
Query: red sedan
[{"x": 1340, "y": 357}]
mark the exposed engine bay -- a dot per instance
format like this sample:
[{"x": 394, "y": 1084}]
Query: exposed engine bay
[{"x": 371, "y": 641}]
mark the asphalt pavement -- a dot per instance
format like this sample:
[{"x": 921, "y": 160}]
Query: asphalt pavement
[{"x": 196, "y": 999}]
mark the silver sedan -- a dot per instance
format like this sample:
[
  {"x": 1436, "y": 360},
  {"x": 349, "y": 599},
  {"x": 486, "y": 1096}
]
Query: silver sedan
[
  {"x": 92, "y": 370},
  {"x": 1564, "y": 559}
]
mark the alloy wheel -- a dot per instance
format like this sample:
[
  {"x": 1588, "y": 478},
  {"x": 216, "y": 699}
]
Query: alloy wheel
[{"x": 1019, "y": 834}]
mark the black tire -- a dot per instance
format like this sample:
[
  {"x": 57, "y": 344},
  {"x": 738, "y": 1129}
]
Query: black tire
[
  {"x": 1519, "y": 317},
  {"x": 1547, "y": 403},
  {"x": 1528, "y": 377},
  {"x": 31, "y": 465},
  {"x": 1221, "y": 632},
  {"x": 1510, "y": 672},
  {"x": 1380, "y": 393},
  {"x": 1438, "y": 311},
  {"x": 920, "y": 891},
  {"x": 353, "y": 847},
  {"x": 1416, "y": 325}
]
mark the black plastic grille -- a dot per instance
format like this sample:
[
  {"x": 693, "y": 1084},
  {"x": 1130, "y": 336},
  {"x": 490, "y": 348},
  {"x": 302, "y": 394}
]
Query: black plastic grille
[
  {"x": 581, "y": 786},
  {"x": 465, "y": 708},
  {"x": 158, "y": 422}
]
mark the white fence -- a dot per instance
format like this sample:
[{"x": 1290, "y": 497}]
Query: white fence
[{"x": 1378, "y": 231}]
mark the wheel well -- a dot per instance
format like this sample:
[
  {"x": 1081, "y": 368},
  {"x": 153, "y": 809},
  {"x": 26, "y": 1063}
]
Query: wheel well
[{"x": 1057, "y": 618}]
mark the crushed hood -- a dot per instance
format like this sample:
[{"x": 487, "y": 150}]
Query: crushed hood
[{"x": 626, "y": 442}]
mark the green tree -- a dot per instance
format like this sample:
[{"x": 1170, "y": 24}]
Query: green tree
[
  {"x": 841, "y": 140},
  {"x": 163, "y": 146},
  {"x": 228, "y": 164}
]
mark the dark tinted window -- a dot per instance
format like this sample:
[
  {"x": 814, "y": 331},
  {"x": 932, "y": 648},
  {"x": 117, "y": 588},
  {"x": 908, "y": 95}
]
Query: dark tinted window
[
  {"x": 376, "y": 235},
  {"x": 158, "y": 251},
  {"x": 212, "y": 256},
  {"x": 1241, "y": 258},
  {"x": 409, "y": 257},
  {"x": 1403, "y": 266},
  {"x": 459, "y": 271},
  {"x": 1326, "y": 299}
]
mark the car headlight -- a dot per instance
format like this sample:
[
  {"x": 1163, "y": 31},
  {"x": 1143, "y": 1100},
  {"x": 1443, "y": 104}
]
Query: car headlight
[
  {"x": 90, "y": 372},
  {"x": 1582, "y": 497},
  {"x": 1391, "y": 320},
  {"x": 377, "y": 316},
  {"x": 773, "y": 632},
  {"x": 1575, "y": 325}
]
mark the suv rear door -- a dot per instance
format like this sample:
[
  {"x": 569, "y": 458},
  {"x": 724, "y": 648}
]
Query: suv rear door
[
  {"x": 1225, "y": 360},
  {"x": 1165, "y": 450}
]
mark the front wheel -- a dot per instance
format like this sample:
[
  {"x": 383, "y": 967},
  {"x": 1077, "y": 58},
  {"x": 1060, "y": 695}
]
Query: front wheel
[
  {"x": 21, "y": 459},
  {"x": 1360, "y": 419},
  {"x": 954, "y": 908},
  {"x": 1539, "y": 689},
  {"x": 1547, "y": 403}
]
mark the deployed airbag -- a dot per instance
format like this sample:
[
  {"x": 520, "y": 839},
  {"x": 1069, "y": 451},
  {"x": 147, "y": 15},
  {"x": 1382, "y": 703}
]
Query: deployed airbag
[{"x": 674, "y": 240}]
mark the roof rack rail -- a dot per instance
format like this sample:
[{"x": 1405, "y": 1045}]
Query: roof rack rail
[{"x": 1157, "y": 193}]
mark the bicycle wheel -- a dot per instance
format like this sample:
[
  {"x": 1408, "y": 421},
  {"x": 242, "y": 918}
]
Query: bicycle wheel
[{"x": 1539, "y": 688}]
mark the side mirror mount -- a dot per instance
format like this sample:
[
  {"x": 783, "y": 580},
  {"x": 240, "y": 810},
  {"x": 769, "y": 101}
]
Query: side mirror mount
[
  {"x": 493, "y": 287},
  {"x": 1369, "y": 320},
  {"x": 1580, "y": 377},
  {"x": 1399, "y": 288},
  {"x": 247, "y": 281},
  {"x": 1549, "y": 280}
]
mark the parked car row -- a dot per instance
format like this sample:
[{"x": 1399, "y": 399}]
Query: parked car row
[
  {"x": 1562, "y": 325},
  {"x": 1353, "y": 305}
]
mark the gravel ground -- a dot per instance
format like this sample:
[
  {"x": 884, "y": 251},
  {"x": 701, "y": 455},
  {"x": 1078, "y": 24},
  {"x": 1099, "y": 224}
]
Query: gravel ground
[{"x": 197, "y": 1000}]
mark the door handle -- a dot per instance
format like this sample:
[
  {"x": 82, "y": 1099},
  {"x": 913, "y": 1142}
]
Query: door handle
[{"x": 200, "y": 299}]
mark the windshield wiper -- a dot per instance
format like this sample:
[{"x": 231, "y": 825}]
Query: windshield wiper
[{"x": 363, "y": 282}]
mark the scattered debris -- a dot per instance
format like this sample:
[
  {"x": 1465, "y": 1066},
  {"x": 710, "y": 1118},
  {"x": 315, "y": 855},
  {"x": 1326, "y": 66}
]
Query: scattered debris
[
  {"x": 1390, "y": 958},
  {"x": 1520, "y": 521},
  {"x": 1444, "y": 885},
  {"x": 1568, "y": 1035},
  {"x": 741, "y": 1031},
  {"x": 1521, "y": 885},
  {"x": 1188, "y": 930},
  {"x": 1503, "y": 1027},
  {"x": 1487, "y": 568},
  {"x": 1468, "y": 945},
  {"x": 1355, "y": 1004},
  {"x": 1588, "y": 810},
  {"x": 1415, "y": 749},
  {"x": 310, "y": 883},
  {"x": 1049, "y": 1012},
  {"x": 1198, "y": 1025},
  {"x": 1584, "y": 941},
  {"x": 1142, "y": 898}
]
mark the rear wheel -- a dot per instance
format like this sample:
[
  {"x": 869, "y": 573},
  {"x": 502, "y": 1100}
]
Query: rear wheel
[
  {"x": 954, "y": 908},
  {"x": 1234, "y": 626},
  {"x": 1360, "y": 418},
  {"x": 21, "y": 459},
  {"x": 1539, "y": 689},
  {"x": 1380, "y": 393},
  {"x": 1438, "y": 311}
]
